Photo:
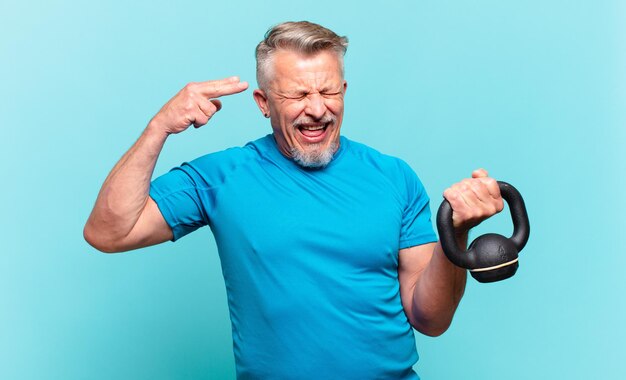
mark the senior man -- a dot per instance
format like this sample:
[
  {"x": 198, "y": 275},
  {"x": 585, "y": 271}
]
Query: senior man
[{"x": 326, "y": 245}]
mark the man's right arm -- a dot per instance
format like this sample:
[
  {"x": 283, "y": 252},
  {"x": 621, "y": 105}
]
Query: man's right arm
[{"x": 124, "y": 216}]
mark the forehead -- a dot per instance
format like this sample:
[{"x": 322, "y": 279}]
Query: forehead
[{"x": 294, "y": 68}]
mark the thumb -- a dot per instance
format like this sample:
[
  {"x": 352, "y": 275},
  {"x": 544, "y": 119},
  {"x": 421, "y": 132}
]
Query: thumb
[{"x": 480, "y": 173}]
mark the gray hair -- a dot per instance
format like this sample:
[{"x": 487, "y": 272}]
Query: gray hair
[{"x": 303, "y": 37}]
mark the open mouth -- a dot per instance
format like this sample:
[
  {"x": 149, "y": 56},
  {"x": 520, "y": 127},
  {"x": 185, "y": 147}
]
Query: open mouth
[{"x": 313, "y": 131}]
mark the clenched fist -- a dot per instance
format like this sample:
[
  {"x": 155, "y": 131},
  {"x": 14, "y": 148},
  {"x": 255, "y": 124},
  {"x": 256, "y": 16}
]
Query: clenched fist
[
  {"x": 473, "y": 200},
  {"x": 195, "y": 104}
]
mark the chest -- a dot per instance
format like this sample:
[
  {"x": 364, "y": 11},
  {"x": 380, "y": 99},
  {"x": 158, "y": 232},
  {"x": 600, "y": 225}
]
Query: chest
[{"x": 350, "y": 219}]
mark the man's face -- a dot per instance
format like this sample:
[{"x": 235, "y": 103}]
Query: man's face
[{"x": 305, "y": 104}]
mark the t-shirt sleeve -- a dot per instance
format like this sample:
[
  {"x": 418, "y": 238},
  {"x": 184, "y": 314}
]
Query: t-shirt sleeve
[
  {"x": 417, "y": 227},
  {"x": 179, "y": 195}
]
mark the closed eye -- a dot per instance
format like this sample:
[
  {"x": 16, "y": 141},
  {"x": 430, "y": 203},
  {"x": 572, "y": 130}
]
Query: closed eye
[
  {"x": 297, "y": 97},
  {"x": 301, "y": 96}
]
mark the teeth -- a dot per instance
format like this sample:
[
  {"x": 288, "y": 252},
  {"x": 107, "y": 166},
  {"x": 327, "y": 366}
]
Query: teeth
[{"x": 313, "y": 128}]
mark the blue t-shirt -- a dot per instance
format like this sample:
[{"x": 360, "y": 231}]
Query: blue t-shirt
[{"x": 309, "y": 257}]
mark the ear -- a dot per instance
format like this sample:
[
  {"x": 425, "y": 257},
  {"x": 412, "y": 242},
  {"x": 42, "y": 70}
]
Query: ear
[{"x": 261, "y": 100}]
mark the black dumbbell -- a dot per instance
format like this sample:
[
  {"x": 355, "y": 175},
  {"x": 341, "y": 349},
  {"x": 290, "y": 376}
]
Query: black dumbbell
[{"x": 490, "y": 257}]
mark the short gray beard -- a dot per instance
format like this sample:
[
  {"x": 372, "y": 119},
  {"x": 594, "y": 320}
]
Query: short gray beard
[{"x": 315, "y": 157}]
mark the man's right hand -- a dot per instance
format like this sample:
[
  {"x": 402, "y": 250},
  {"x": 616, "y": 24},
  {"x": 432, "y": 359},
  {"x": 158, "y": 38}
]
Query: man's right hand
[
  {"x": 195, "y": 104},
  {"x": 124, "y": 216}
]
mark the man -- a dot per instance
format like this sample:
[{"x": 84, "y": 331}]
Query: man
[{"x": 326, "y": 245}]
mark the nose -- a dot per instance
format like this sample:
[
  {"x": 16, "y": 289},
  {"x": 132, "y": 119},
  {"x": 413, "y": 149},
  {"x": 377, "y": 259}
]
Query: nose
[{"x": 315, "y": 107}]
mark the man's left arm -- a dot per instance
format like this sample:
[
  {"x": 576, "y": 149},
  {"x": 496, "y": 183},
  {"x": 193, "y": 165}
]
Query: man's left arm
[{"x": 431, "y": 287}]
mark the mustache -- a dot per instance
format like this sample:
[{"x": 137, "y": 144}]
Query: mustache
[{"x": 302, "y": 121}]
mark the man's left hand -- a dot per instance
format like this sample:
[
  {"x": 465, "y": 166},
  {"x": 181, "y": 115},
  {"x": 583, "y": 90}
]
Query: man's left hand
[{"x": 473, "y": 200}]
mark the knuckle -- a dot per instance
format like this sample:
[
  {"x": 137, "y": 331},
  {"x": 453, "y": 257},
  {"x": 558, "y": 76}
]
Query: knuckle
[
  {"x": 492, "y": 210},
  {"x": 189, "y": 105},
  {"x": 500, "y": 206},
  {"x": 492, "y": 184},
  {"x": 211, "y": 108},
  {"x": 191, "y": 89},
  {"x": 450, "y": 194},
  {"x": 477, "y": 185}
]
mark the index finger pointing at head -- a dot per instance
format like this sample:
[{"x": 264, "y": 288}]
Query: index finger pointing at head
[{"x": 228, "y": 86}]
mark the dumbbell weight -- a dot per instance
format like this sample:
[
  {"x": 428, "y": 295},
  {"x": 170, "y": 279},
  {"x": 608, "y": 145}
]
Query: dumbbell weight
[{"x": 490, "y": 257}]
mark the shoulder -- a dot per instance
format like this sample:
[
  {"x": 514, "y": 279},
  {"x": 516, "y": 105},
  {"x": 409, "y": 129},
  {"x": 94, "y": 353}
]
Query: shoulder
[
  {"x": 385, "y": 163},
  {"x": 397, "y": 172},
  {"x": 215, "y": 168},
  {"x": 231, "y": 158}
]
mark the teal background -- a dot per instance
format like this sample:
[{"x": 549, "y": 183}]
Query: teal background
[{"x": 534, "y": 91}]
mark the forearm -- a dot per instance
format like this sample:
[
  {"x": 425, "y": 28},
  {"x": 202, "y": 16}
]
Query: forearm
[
  {"x": 437, "y": 292},
  {"x": 125, "y": 191}
]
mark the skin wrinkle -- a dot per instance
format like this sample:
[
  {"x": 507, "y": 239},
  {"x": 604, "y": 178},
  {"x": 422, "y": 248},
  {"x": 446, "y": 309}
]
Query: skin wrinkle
[{"x": 306, "y": 90}]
